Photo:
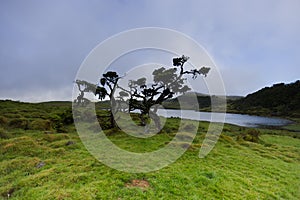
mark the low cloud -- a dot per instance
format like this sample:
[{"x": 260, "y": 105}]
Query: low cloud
[{"x": 254, "y": 43}]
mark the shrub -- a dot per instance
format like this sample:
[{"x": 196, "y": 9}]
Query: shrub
[
  {"x": 251, "y": 135},
  {"x": 57, "y": 123},
  {"x": 12, "y": 115},
  {"x": 3, "y": 121},
  {"x": 3, "y": 134},
  {"x": 112, "y": 131},
  {"x": 104, "y": 123},
  {"x": 66, "y": 117},
  {"x": 40, "y": 124},
  {"x": 19, "y": 123}
]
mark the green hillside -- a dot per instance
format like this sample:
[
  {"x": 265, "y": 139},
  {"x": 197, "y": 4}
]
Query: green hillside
[
  {"x": 42, "y": 157},
  {"x": 204, "y": 102},
  {"x": 279, "y": 100}
]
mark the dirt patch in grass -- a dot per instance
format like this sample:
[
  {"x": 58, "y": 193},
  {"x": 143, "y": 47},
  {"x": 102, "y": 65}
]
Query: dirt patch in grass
[{"x": 143, "y": 184}]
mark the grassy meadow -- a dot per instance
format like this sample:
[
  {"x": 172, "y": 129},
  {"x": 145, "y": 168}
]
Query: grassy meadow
[{"x": 42, "y": 157}]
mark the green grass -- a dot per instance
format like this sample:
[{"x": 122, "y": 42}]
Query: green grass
[
  {"x": 284, "y": 141},
  {"x": 295, "y": 127},
  {"x": 234, "y": 169}
]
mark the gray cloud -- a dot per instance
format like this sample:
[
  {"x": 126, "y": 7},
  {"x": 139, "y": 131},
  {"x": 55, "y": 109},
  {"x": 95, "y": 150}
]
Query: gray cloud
[{"x": 254, "y": 43}]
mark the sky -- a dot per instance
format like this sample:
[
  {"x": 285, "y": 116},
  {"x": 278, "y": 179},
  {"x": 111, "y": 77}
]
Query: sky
[{"x": 254, "y": 43}]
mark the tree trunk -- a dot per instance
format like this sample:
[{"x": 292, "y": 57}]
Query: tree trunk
[
  {"x": 112, "y": 111},
  {"x": 143, "y": 121},
  {"x": 112, "y": 120},
  {"x": 156, "y": 119}
]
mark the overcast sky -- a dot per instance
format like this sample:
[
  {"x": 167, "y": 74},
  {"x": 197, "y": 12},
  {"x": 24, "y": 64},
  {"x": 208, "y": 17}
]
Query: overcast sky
[{"x": 254, "y": 43}]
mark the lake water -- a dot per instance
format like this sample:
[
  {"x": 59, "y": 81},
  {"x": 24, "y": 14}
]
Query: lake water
[{"x": 236, "y": 119}]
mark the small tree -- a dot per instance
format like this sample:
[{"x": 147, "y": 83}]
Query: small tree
[{"x": 108, "y": 87}]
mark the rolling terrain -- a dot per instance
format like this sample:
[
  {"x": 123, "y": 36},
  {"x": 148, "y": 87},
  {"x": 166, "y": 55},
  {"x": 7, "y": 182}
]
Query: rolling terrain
[{"x": 42, "y": 157}]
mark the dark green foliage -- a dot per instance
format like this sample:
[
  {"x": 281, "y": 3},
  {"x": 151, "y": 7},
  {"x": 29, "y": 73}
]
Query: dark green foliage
[
  {"x": 203, "y": 101},
  {"x": 3, "y": 121},
  {"x": 104, "y": 123},
  {"x": 4, "y": 134},
  {"x": 60, "y": 120},
  {"x": 187, "y": 102},
  {"x": 66, "y": 117},
  {"x": 40, "y": 124},
  {"x": 280, "y": 99},
  {"x": 12, "y": 114},
  {"x": 21, "y": 123},
  {"x": 54, "y": 116},
  {"x": 112, "y": 131},
  {"x": 251, "y": 135}
]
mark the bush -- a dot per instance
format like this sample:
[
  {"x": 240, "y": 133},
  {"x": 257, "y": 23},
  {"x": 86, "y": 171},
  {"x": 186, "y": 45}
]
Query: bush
[
  {"x": 57, "y": 123},
  {"x": 104, "y": 123},
  {"x": 112, "y": 131},
  {"x": 251, "y": 135},
  {"x": 66, "y": 117},
  {"x": 3, "y": 134},
  {"x": 12, "y": 115},
  {"x": 3, "y": 121},
  {"x": 40, "y": 124},
  {"x": 19, "y": 123}
]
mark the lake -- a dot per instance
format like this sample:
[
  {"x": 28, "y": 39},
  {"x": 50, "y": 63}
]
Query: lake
[{"x": 229, "y": 118}]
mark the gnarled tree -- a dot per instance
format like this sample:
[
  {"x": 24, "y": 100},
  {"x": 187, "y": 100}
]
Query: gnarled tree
[
  {"x": 141, "y": 96},
  {"x": 106, "y": 88},
  {"x": 167, "y": 83}
]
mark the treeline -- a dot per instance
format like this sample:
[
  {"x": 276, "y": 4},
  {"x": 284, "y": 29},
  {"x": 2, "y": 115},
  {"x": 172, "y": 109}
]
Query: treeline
[{"x": 279, "y": 100}]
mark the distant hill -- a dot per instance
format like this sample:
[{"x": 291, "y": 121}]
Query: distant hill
[
  {"x": 204, "y": 101},
  {"x": 279, "y": 100}
]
